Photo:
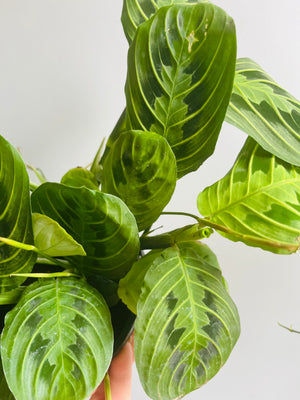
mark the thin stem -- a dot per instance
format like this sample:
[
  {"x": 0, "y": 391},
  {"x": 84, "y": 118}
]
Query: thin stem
[
  {"x": 48, "y": 275},
  {"x": 33, "y": 186},
  {"x": 184, "y": 214},
  {"x": 289, "y": 329},
  {"x": 107, "y": 387},
  {"x": 38, "y": 173}
]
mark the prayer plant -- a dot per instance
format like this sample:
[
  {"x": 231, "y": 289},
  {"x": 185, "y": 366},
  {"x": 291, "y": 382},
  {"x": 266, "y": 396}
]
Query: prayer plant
[{"x": 76, "y": 275}]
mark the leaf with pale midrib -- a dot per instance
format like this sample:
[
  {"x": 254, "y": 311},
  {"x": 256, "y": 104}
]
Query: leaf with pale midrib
[
  {"x": 187, "y": 324},
  {"x": 265, "y": 111},
  {"x": 15, "y": 217},
  {"x": 57, "y": 342},
  {"x": 180, "y": 73},
  {"x": 135, "y": 12},
  {"x": 257, "y": 202}
]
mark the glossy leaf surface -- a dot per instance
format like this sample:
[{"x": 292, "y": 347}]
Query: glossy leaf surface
[
  {"x": 186, "y": 324},
  {"x": 265, "y": 111},
  {"x": 141, "y": 169},
  {"x": 135, "y": 12},
  {"x": 180, "y": 73},
  {"x": 257, "y": 202},
  {"x": 51, "y": 239},
  {"x": 15, "y": 217},
  {"x": 57, "y": 342},
  {"x": 100, "y": 222}
]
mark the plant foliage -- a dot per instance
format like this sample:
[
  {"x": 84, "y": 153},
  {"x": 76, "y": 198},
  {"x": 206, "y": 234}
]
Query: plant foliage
[{"x": 82, "y": 243}]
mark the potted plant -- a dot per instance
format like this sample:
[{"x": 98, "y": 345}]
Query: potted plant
[{"x": 80, "y": 261}]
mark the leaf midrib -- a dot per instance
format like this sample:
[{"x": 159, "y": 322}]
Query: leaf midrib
[{"x": 259, "y": 191}]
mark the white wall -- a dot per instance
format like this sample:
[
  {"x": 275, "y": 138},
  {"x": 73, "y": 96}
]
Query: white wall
[{"x": 62, "y": 73}]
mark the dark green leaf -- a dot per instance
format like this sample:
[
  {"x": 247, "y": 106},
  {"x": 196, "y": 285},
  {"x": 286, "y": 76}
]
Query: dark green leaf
[
  {"x": 186, "y": 326},
  {"x": 257, "y": 202},
  {"x": 123, "y": 323},
  {"x": 265, "y": 111},
  {"x": 52, "y": 240},
  {"x": 79, "y": 177},
  {"x": 15, "y": 217},
  {"x": 100, "y": 222},
  {"x": 5, "y": 393},
  {"x": 180, "y": 73},
  {"x": 135, "y": 12},
  {"x": 57, "y": 342},
  {"x": 141, "y": 169}
]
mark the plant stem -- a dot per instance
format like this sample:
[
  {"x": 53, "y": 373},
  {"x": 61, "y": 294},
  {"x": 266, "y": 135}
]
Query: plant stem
[
  {"x": 107, "y": 387},
  {"x": 33, "y": 186},
  {"x": 289, "y": 329},
  {"x": 184, "y": 214},
  {"x": 48, "y": 275}
]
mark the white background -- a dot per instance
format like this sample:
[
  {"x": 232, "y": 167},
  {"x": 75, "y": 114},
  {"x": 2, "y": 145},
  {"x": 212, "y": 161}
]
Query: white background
[{"x": 62, "y": 74}]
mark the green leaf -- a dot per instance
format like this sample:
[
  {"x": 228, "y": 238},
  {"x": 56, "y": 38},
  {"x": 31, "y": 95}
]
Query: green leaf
[
  {"x": 257, "y": 202},
  {"x": 15, "y": 217},
  {"x": 79, "y": 177},
  {"x": 130, "y": 286},
  {"x": 52, "y": 240},
  {"x": 265, "y": 111},
  {"x": 180, "y": 74},
  {"x": 186, "y": 326},
  {"x": 141, "y": 169},
  {"x": 123, "y": 323},
  {"x": 100, "y": 222},
  {"x": 6, "y": 394},
  {"x": 57, "y": 342},
  {"x": 11, "y": 297},
  {"x": 135, "y": 12}
]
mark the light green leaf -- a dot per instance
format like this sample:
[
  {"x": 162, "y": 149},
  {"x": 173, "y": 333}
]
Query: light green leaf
[
  {"x": 180, "y": 74},
  {"x": 52, "y": 240},
  {"x": 141, "y": 170},
  {"x": 186, "y": 326},
  {"x": 135, "y": 12},
  {"x": 130, "y": 286},
  {"x": 100, "y": 222},
  {"x": 79, "y": 177},
  {"x": 15, "y": 217},
  {"x": 265, "y": 111},
  {"x": 257, "y": 202},
  {"x": 57, "y": 342}
]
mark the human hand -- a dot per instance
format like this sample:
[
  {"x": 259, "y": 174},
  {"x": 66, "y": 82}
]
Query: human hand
[{"x": 120, "y": 373}]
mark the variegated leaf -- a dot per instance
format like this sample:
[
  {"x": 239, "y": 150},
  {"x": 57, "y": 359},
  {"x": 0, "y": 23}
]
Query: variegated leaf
[
  {"x": 135, "y": 12},
  {"x": 180, "y": 74},
  {"x": 15, "y": 217},
  {"x": 265, "y": 111},
  {"x": 187, "y": 324},
  {"x": 100, "y": 222},
  {"x": 257, "y": 202},
  {"x": 57, "y": 342}
]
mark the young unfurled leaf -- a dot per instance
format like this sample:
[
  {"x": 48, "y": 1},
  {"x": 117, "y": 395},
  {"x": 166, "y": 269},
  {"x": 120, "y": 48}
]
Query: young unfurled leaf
[
  {"x": 57, "y": 342},
  {"x": 181, "y": 67},
  {"x": 100, "y": 222},
  {"x": 186, "y": 326},
  {"x": 265, "y": 111},
  {"x": 135, "y": 12},
  {"x": 51, "y": 239},
  {"x": 141, "y": 169},
  {"x": 257, "y": 202},
  {"x": 15, "y": 217}
]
